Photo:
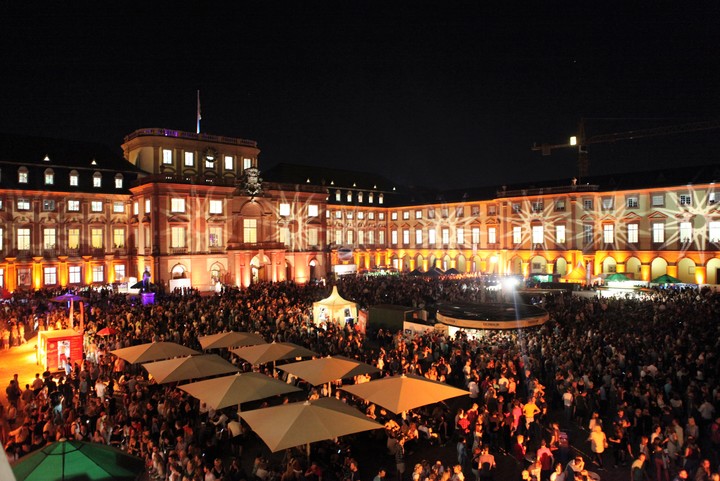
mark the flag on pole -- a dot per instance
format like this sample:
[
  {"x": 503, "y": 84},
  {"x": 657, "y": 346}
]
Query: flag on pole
[{"x": 198, "y": 112}]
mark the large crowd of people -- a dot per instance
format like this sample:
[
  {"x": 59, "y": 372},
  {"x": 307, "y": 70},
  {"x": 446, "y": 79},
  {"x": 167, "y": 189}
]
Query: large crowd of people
[{"x": 637, "y": 376}]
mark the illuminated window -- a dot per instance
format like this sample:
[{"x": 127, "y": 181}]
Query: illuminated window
[
  {"x": 284, "y": 209},
  {"x": 189, "y": 159},
  {"x": 349, "y": 214},
  {"x": 559, "y": 234},
  {"x": 538, "y": 206},
  {"x": 431, "y": 213},
  {"x": 444, "y": 212},
  {"x": 370, "y": 197},
  {"x": 361, "y": 215},
  {"x": 177, "y": 237},
  {"x": 73, "y": 241},
  {"x": 215, "y": 236},
  {"x": 632, "y": 202},
  {"x": 418, "y": 237},
  {"x": 338, "y": 196},
  {"x": 607, "y": 203},
  {"x": 460, "y": 235},
  {"x": 658, "y": 200},
  {"x": 492, "y": 235},
  {"x": 633, "y": 233},
  {"x": 658, "y": 232},
  {"x": 119, "y": 238},
  {"x": 338, "y": 236},
  {"x": 247, "y": 163},
  {"x": 394, "y": 237},
  {"x": 74, "y": 275},
  {"x": 118, "y": 181},
  {"x": 517, "y": 235},
  {"x": 588, "y": 234},
  {"x": 538, "y": 234},
  {"x": 312, "y": 236},
  {"x": 96, "y": 238},
  {"x": 97, "y": 180},
  {"x": 23, "y": 239},
  {"x": 350, "y": 237},
  {"x": 338, "y": 214},
  {"x": 475, "y": 210},
  {"x": 49, "y": 238},
  {"x": 23, "y": 204},
  {"x": 431, "y": 237},
  {"x": 49, "y": 177},
  {"x": 348, "y": 196},
  {"x": 475, "y": 236},
  {"x": 491, "y": 210},
  {"x": 216, "y": 206},
  {"x": 393, "y": 216},
  {"x": 250, "y": 231},
  {"x": 98, "y": 273},
  {"x": 360, "y": 197},
  {"x": 516, "y": 208},
  {"x": 685, "y": 199},
  {"x": 406, "y": 236},
  {"x": 49, "y": 276},
  {"x": 96, "y": 206},
  {"x": 371, "y": 237},
  {"x": 119, "y": 271},
  {"x": 459, "y": 211},
  {"x": 361, "y": 237},
  {"x": 686, "y": 231},
  {"x": 445, "y": 233},
  {"x": 136, "y": 208},
  {"x": 381, "y": 215},
  {"x": 381, "y": 199},
  {"x": 711, "y": 197},
  {"x": 48, "y": 205},
  {"x": 177, "y": 205},
  {"x": 22, "y": 175},
  {"x": 229, "y": 162},
  {"x": 118, "y": 207},
  {"x": 167, "y": 157},
  {"x": 2, "y": 240},
  {"x": 406, "y": 215},
  {"x": 418, "y": 214},
  {"x": 714, "y": 231},
  {"x": 73, "y": 206},
  {"x": 587, "y": 204},
  {"x": 608, "y": 233},
  {"x": 313, "y": 211},
  {"x": 371, "y": 215},
  {"x": 381, "y": 237},
  {"x": 560, "y": 205}
]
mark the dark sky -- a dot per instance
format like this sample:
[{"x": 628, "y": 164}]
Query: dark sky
[{"x": 445, "y": 93}]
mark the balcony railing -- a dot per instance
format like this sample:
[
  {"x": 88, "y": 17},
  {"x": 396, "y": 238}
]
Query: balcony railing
[{"x": 189, "y": 135}]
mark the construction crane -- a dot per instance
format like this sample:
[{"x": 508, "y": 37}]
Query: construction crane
[{"x": 581, "y": 142}]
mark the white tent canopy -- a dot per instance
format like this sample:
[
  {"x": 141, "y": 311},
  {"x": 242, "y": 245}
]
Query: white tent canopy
[{"x": 334, "y": 309}]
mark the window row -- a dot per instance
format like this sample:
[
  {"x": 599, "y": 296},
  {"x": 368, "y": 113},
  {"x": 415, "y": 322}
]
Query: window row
[
  {"x": 75, "y": 275},
  {"x": 361, "y": 215},
  {"x": 49, "y": 178},
  {"x": 50, "y": 205},
  {"x": 74, "y": 236},
  {"x": 209, "y": 157},
  {"x": 608, "y": 203},
  {"x": 360, "y": 197}
]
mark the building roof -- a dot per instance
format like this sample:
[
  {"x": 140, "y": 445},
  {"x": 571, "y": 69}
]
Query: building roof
[{"x": 37, "y": 154}]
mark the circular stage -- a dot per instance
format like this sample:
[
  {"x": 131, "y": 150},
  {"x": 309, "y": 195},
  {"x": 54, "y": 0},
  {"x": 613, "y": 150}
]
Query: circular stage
[{"x": 491, "y": 316}]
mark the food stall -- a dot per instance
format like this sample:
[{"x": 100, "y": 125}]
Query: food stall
[{"x": 55, "y": 348}]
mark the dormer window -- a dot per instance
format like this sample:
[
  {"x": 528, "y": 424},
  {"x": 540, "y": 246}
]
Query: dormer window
[
  {"x": 370, "y": 197},
  {"x": 349, "y": 196},
  {"x": 97, "y": 179},
  {"x": 74, "y": 178},
  {"x": 360, "y": 197},
  {"x": 380, "y": 199},
  {"x": 49, "y": 177},
  {"x": 118, "y": 181},
  {"x": 338, "y": 196},
  {"x": 22, "y": 175}
]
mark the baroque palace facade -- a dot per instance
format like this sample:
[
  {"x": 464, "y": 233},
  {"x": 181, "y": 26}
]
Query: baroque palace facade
[{"x": 194, "y": 206}]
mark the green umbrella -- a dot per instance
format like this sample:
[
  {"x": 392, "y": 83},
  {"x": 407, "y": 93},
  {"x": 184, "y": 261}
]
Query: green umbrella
[
  {"x": 76, "y": 461},
  {"x": 666, "y": 279},
  {"x": 617, "y": 277}
]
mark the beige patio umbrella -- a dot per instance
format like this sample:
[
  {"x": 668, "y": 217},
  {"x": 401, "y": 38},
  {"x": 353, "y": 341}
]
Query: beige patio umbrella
[
  {"x": 296, "y": 424},
  {"x": 230, "y": 339},
  {"x": 225, "y": 391},
  {"x": 405, "y": 392},
  {"x": 190, "y": 367},
  {"x": 275, "y": 351},
  {"x": 152, "y": 351},
  {"x": 328, "y": 369}
]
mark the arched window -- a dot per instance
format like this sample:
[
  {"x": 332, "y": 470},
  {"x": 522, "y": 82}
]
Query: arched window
[
  {"x": 118, "y": 181},
  {"x": 49, "y": 177},
  {"x": 74, "y": 178},
  {"x": 22, "y": 175},
  {"x": 97, "y": 179}
]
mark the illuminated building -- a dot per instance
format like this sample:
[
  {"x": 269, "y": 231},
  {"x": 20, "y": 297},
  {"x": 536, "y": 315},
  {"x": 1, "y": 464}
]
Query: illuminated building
[{"x": 194, "y": 206}]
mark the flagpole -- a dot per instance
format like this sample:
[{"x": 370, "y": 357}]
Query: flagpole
[{"x": 198, "y": 112}]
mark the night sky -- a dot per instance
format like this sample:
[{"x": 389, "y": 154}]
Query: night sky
[{"x": 443, "y": 94}]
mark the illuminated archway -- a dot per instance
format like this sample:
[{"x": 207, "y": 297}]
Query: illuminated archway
[
  {"x": 419, "y": 262},
  {"x": 445, "y": 263},
  {"x": 515, "y": 266},
  {"x": 431, "y": 261},
  {"x": 257, "y": 268},
  {"x": 658, "y": 267},
  {"x": 686, "y": 270},
  {"x": 538, "y": 265},
  {"x": 561, "y": 266},
  {"x": 633, "y": 268},
  {"x": 713, "y": 271},
  {"x": 609, "y": 265},
  {"x": 461, "y": 264},
  {"x": 178, "y": 271}
]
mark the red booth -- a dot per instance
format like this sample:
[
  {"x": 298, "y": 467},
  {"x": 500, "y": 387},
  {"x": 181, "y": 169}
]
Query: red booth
[{"x": 56, "y": 347}]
